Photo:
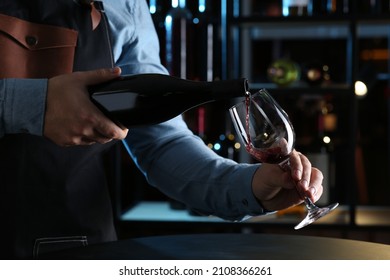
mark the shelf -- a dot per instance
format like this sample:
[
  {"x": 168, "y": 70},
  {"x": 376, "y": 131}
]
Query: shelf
[
  {"x": 298, "y": 29},
  {"x": 259, "y": 19},
  {"x": 320, "y": 19},
  {"x": 370, "y": 29}
]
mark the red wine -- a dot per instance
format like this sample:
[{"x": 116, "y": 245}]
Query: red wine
[
  {"x": 153, "y": 98},
  {"x": 272, "y": 155}
]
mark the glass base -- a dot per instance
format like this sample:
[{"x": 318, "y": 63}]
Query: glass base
[{"x": 314, "y": 214}]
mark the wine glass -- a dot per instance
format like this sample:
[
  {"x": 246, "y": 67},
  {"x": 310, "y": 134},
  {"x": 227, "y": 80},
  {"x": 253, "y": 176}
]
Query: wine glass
[{"x": 268, "y": 135}]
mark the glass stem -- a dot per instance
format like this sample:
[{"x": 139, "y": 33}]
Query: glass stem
[
  {"x": 285, "y": 166},
  {"x": 309, "y": 204}
]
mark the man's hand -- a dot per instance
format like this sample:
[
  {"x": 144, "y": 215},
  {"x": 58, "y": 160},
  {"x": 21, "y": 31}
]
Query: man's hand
[
  {"x": 277, "y": 189},
  {"x": 71, "y": 118}
]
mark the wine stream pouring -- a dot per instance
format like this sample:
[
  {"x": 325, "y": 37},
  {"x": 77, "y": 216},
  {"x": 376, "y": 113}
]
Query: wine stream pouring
[{"x": 144, "y": 99}]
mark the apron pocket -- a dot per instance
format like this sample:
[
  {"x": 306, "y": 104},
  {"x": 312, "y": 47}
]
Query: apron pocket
[
  {"x": 31, "y": 50},
  {"x": 51, "y": 244}
]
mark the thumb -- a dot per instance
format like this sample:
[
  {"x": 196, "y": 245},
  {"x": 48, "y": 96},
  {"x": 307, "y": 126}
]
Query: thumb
[{"x": 98, "y": 76}]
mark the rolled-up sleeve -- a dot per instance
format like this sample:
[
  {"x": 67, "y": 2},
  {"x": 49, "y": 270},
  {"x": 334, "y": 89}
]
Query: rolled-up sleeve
[{"x": 184, "y": 168}]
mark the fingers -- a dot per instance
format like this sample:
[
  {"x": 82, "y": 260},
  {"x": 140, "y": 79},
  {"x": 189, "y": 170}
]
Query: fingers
[
  {"x": 308, "y": 178},
  {"x": 278, "y": 189},
  {"x": 300, "y": 168},
  {"x": 315, "y": 188},
  {"x": 98, "y": 76},
  {"x": 94, "y": 127},
  {"x": 71, "y": 118},
  {"x": 93, "y": 138},
  {"x": 105, "y": 129}
]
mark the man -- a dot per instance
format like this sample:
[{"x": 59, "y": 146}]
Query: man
[{"x": 53, "y": 193}]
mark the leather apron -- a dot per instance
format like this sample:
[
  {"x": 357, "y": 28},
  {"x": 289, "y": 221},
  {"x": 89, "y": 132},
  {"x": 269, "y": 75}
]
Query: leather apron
[{"x": 51, "y": 198}]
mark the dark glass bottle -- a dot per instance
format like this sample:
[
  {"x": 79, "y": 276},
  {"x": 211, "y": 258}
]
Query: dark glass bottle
[
  {"x": 338, "y": 7},
  {"x": 320, "y": 150},
  {"x": 178, "y": 41},
  {"x": 343, "y": 7},
  {"x": 269, "y": 8},
  {"x": 370, "y": 7},
  {"x": 384, "y": 7},
  {"x": 158, "y": 10},
  {"x": 295, "y": 7},
  {"x": 206, "y": 42},
  {"x": 284, "y": 72},
  {"x": 328, "y": 7},
  {"x": 153, "y": 98},
  {"x": 314, "y": 73},
  {"x": 206, "y": 120},
  {"x": 318, "y": 7}
]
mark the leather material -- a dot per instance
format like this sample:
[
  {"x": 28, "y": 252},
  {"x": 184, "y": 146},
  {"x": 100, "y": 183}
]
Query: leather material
[
  {"x": 49, "y": 194},
  {"x": 27, "y": 45},
  {"x": 44, "y": 31}
]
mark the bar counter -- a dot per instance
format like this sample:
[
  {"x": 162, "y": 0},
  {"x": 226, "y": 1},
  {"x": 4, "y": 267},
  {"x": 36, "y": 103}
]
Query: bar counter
[{"x": 230, "y": 246}]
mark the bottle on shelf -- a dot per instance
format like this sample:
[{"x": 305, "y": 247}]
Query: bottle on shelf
[
  {"x": 152, "y": 98},
  {"x": 226, "y": 143},
  {"x": 206, "y": 42},
  {"x": 158, "y": 10},
  {"x": 329, "y": 7},
  {"x": 372, "y": 7},
  {"x": 338, "y": 6},
  {"x": 315, "y": 73},
  {"x": 284, "y": 72},
  {"x": 319, "y": 152},
  {"x": 318, "y": 7},
  {"x": 343, "y": 6},
  {"x": 384, "y": 7},
  {"x": 268, "y": 8},
  {"x": 206, "y": 121},
  {"x": 295, "y": 7},
  {"x": 178, "y": 41}
]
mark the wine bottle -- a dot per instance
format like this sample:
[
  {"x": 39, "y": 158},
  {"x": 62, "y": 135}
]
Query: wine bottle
[
  {"x": 329, "y": 7},
  {"x": 178, "y": 41},
  {"x": 319, "y": 153},
  {"x": 205, "y": 42},
  {"x": 343, "y": 7},
  {"x": 227, "y": 146},
  {"x": 314, "y": 72},
  {"x": 318, "y": 7},
  {"x": 158, "y": 10},
  {"x": 385, "y": 7},
  {"x": 295, "y": 7},
  {"x": 284, "y": 72},
  {"x": 268, "y": 8},
  {"x": 153, "y": 98},
  {"x": 370, "y": 7}
]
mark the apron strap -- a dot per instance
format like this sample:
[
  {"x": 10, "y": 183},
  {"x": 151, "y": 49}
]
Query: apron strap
[{"x": 96, "y": 9}]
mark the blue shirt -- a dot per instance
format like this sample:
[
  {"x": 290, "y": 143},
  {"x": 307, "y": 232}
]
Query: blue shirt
[{"x": 172, "y": 158}]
